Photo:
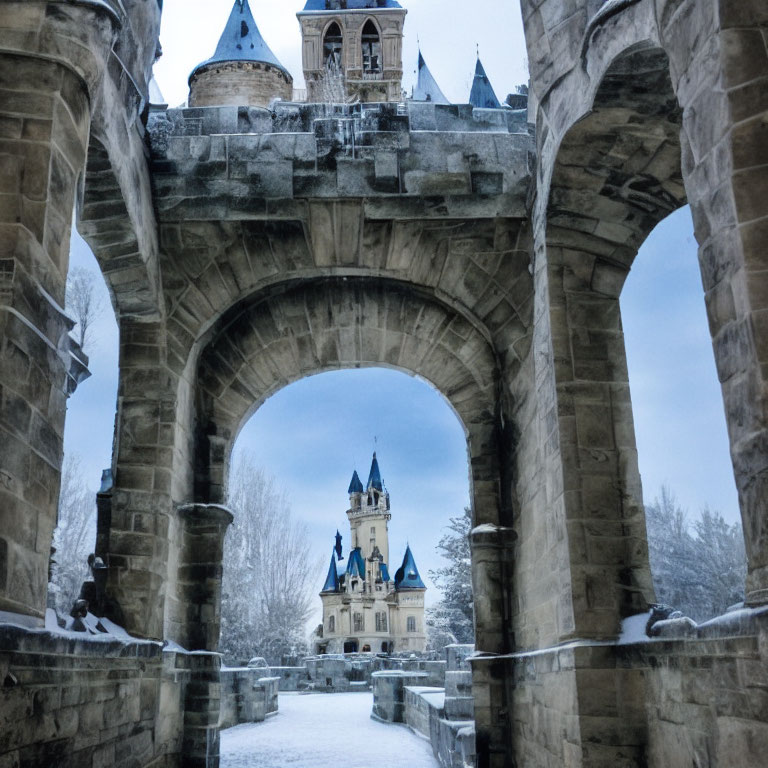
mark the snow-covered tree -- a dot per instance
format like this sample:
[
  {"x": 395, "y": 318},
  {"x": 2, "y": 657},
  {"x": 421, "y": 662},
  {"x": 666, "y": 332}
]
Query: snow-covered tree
[
  {"x": 84, "y": 302},
  {"x": 451, "y": 620},
  {"x": 698, "y": 569},
  {"x": 270, "y": 573},
  {"x": 74, "y": 538}
]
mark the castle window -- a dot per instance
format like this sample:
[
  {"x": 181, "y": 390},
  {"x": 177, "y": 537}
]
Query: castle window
[
  {"x": 381, "y": 621},
  {"x": 358, "y": 622},
  {"x": 411, "y": 625},
  {"x": 332, "y": 46},
  {"x": 371, "y": 48},
  {"x": 331, "y": 623}
]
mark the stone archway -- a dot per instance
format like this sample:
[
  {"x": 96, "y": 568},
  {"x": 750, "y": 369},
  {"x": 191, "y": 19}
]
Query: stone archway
[
  {"x": 617, "y": 175},
  {"x": 299, "y": 329}
]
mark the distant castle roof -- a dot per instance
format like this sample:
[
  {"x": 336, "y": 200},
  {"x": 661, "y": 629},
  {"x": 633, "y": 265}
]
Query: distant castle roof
[
  {"x": 356, "y": 566},
  {"x": 482, "y": 95},
  {"x": 242, "y": 41},
  {"x": 407, "y": 576},
  {"x": 355, "y": 485},
  {"x": 374, "y": 477},
  {"x": 354, "y": 5},
  {"x": 427, "y": 88},
  {"x": 332, "y": 579}
]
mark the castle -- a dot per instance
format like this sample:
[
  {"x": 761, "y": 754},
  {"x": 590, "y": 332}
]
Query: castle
[
  {"x": 351, "y": 52},
  {"x": 364, "y": 609},
  {"x": 484, "y": 250}
]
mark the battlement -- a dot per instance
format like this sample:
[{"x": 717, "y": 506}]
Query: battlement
[{"x": 411, "y": 160}]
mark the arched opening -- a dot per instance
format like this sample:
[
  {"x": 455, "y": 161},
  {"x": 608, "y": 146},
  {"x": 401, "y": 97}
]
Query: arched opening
[
  {"x": 695, "y": 537},
  {"x": 617, "y": 175},
  {"x": 332, "y": 46},
  {"x": 371, "y": 46},
  {"x": 296, "y": 329},
  {"x": 311, "y": 434},
  {"x": 88, "y": 432}
]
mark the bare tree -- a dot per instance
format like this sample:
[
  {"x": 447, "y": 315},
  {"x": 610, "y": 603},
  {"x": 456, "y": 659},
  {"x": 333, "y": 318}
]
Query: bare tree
[
  {"x": 74, "y": 537},
  {"x": 84, "y": 302},
  {"x": 270, "y": 574}
]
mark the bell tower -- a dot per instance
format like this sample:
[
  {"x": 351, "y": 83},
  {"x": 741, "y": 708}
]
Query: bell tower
[
  {"x": 369, "y": 515},
  {"x": 352, "y": 50}
]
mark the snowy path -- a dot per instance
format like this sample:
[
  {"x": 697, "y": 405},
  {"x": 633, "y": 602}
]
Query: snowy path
[{"x": 324, "y": 731}]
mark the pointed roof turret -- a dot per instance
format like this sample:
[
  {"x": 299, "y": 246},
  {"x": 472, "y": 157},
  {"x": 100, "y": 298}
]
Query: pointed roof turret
[
  {"x": 332, "y": 579},
  {"x": 482, "y": 94},
  {"x": 355, "y": 565},
  {"x": 241, "y": 41},
  {"x": 355, "y": 485},
  {"x": 427, "y": 88},
  {"x": 407, "y": 576},
  {"x": 374, "y": 476}
]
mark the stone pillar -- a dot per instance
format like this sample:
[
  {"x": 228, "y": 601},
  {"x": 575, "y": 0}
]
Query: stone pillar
[
  {"x": 491, "y": 573},
  {"x": 141, "y": 548},
  {"x": 202, "y": 708},
  {"x": 44, "y": 123},
  {"x": 724, "y": 122},
  {"x": 200, "y": 573}
]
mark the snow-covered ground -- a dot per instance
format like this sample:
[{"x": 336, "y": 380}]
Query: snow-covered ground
[{"x": 324, "y": 731}]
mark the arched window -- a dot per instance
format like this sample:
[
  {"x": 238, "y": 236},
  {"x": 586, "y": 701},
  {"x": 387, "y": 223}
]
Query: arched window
[
  {"x": 331, "y": 623},
  {"x": 371, "y": 48},
  {"x": 332, "y": 46}
]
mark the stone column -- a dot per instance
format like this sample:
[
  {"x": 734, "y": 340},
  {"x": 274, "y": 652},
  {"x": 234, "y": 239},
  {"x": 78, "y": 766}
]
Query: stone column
[
  {"x": 491, "y": 584},
  {"x": 200, "y": 573},
  {"x": 44, "y": 123},
  {"x": 724, "y": 122},
  {"x": 202, "y": 708},
  {"x": 141, "y": 548}
]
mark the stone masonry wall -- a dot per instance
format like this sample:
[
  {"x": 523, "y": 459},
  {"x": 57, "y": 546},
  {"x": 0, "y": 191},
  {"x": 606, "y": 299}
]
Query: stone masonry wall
[
  {"x": 74, "y": 702},
  {"x": 239, "y": 84},
  {"x": 246, "y": 696}
]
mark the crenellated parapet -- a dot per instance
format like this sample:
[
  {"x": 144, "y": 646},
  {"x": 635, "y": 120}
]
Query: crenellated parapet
[{"x": 408, "y": 161}]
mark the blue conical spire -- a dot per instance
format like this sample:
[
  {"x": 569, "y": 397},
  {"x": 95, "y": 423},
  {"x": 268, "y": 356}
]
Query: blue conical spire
[
  {"x": 355, "y": 485},
  {"x": 482, "y": 94},
  {"x": 407, "y": 576},
  {"x": 374, "y": 477},
  {"x": 242, "y": 41},
  {"x": 355, "y": 564},
  {"x": 332, "y": 579},
  {"x": 427, "y": 88}
]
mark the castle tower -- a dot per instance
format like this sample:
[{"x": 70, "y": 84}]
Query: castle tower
[
  {"x": 352, "y": 50},
  {"x": 363, "y": 608},
  {"x": 243, "y": 71}
]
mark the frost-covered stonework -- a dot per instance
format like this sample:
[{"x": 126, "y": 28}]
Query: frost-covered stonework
[{"x": 245, "y": 248}]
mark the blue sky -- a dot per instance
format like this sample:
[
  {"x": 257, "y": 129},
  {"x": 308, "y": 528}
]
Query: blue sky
[{"x": 312, "y": 434}]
